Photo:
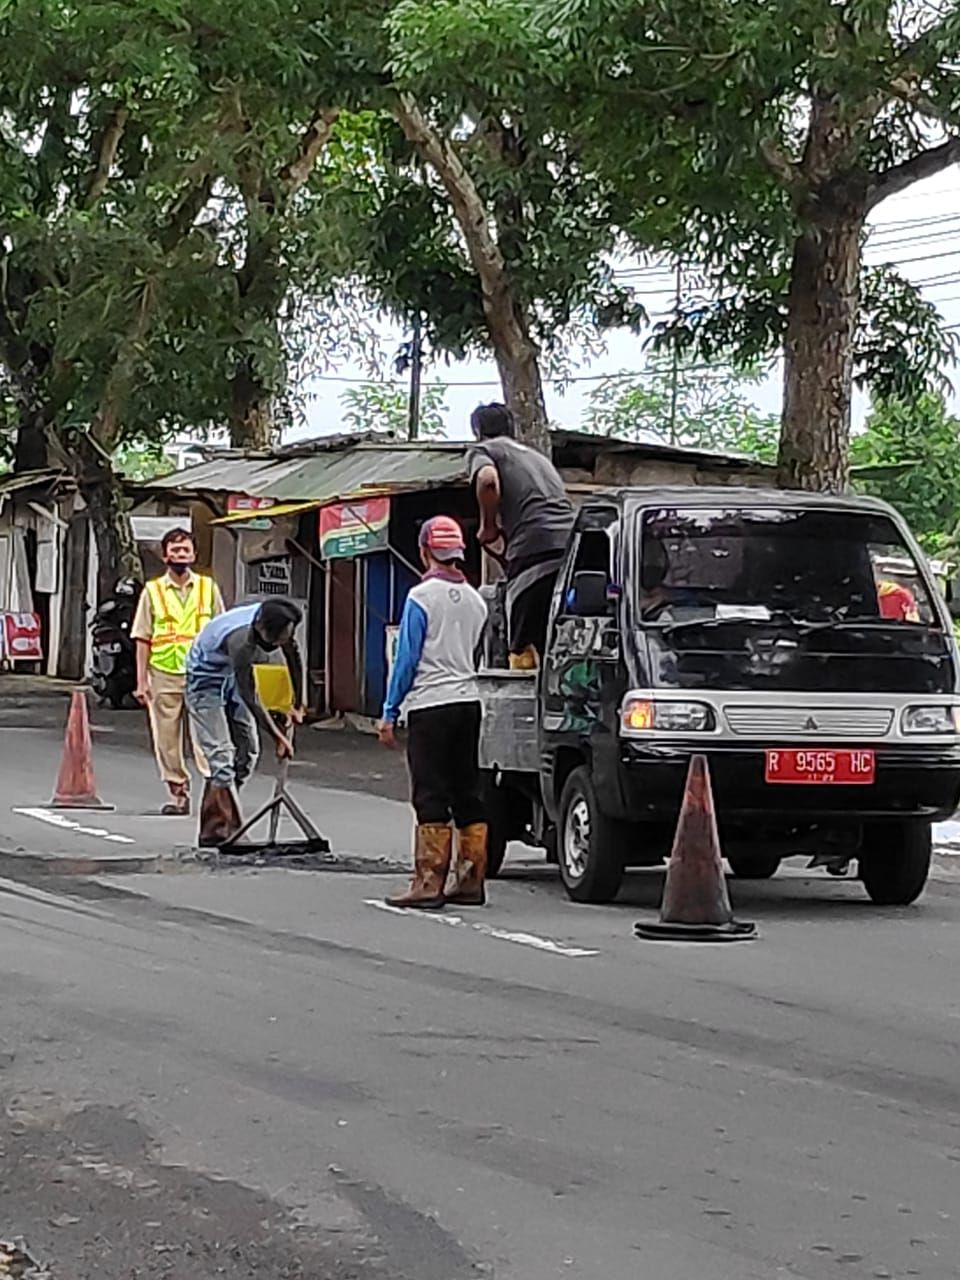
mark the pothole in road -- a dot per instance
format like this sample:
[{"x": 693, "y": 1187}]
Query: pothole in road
[{"x": 17, "y": 1264}]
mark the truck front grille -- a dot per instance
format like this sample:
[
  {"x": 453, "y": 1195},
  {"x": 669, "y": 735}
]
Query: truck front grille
[{"x": 809, "y": 722}]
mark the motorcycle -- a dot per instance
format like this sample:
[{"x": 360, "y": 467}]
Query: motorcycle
[{"x": 114, "y": 665}]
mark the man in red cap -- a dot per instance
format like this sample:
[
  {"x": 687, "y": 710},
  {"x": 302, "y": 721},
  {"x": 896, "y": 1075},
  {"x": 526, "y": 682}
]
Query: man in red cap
[{"x": 435, "y": 680}]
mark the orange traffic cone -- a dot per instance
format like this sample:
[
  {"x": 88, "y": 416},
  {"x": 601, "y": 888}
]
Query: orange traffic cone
[
  {"x": 696, "y": 905},
  {"x": 76, "y": 788}
]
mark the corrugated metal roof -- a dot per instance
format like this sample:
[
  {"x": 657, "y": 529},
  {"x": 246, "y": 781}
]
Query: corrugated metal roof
[
  {"x": 327, "y": 476},
  {"x": 333, "y": 473},
  {"x": 16, "y": 480}
]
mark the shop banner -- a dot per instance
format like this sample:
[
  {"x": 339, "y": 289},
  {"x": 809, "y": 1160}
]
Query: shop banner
[
  {"x": 241, "y": 502},
  {"x": 354, "y": 528}
]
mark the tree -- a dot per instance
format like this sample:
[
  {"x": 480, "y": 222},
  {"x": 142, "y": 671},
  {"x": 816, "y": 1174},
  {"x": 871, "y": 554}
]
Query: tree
[
  {"x": 754, "y": 137},
  {"x": 383, "y": 406},
  {"x": 917, "y": 446},
  {"x": 692, "y": 406},
  {"x": 534, "y": 226},
  {"x": 153, "y": 161},
  {"x": 107, "y": 160}
]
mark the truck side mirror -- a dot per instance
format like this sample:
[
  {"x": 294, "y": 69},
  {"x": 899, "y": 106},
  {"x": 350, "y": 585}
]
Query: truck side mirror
[{"x": 589, "y": 595}]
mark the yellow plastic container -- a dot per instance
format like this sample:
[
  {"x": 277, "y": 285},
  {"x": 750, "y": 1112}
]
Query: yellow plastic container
[{"x": 274, "y": 686}]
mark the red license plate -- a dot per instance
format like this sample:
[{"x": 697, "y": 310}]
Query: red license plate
[{"x": 822, "y": 768}]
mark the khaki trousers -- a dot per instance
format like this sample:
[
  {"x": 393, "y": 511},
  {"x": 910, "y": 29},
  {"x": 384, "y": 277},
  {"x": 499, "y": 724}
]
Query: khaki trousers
[{"x": 169, "y": 726}]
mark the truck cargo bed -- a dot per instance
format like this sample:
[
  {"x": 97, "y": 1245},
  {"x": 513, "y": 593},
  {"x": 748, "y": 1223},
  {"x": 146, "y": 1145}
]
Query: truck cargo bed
[{"x": 508, "y": 737}]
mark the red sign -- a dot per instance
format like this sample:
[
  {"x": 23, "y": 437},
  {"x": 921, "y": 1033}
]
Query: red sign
[
  {"x": 354, "y": 528},
  {"x": 241, "y": 502},
  {"x": 822, "y": 768},
  {"x": 21, "y": 638}
]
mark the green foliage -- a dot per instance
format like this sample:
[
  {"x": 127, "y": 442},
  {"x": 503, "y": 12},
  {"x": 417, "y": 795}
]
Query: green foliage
[
  {"x": 553, "y": 217},
  {"x": 693, "y": 406},
  {"x": 920, "y": 442},
  {"x": 152, "y": 242},
  {"x": 142, "y": 463},
  {"x": 723, "y": 132},
  {"x": 384, "y": 406}
]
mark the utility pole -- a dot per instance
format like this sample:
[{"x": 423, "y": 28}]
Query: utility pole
[
  {"x": 416, "y": 376},
  {"x": 675, "y": 372}
]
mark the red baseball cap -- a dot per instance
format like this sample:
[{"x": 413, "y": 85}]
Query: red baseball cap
[{"x": 443, "y": 538}]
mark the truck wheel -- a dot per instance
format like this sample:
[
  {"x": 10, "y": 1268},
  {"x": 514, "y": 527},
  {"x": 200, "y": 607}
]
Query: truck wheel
[
  {"x": 590, "y": 846},
  {"x": 895, "y": 861},
  {"x": 754, "y": 866}
]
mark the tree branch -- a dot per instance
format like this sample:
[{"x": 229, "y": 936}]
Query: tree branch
[
  {"x": 190, "y": 204},
  {"x": 911, "y": 92},
  {"x": 106, "y": 155},
  {"x": 922, "y": 46},
  {"x": 53, "y": 148},
  {"x": 467, "y": 203},
  {"x": 780, "y": 165},
  {"x": 315, "y": 137},
  {"x": 108, "y": 420},
  {"x": 923, "y": 165}
]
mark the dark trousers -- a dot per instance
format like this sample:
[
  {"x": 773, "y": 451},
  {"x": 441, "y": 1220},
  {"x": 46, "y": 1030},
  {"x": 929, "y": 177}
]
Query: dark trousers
[
  {"x": 442, "y": 749},
  {"x": 530, "y": 615}
]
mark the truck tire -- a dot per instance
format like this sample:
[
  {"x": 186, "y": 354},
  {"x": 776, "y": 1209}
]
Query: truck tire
[
  {"x": 895, "y": 861},
  {"x": 590, "y": 846},
  {"x": 754, "y": 866}
]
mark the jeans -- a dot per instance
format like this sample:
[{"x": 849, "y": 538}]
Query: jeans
[
  {"x": 225, "y": 730},
  {"x": 442, "y": 750}
]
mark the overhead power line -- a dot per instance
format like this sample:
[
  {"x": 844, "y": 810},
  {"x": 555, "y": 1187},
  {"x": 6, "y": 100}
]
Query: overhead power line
[{"x": 620, "y": 376}]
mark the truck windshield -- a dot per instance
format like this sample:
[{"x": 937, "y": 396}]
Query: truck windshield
[{"x": 767, "y": 565}]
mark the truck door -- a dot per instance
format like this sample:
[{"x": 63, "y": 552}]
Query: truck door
[{"x": 580, "y": 689}]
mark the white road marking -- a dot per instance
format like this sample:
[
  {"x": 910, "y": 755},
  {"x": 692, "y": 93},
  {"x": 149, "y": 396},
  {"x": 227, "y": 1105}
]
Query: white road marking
[
  {"x": 503, "y": 935},
  {"x": 67, "y": 824}
]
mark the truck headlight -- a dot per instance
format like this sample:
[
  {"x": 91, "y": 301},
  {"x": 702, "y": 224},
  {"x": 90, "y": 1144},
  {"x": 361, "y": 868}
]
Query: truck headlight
[
  {"x": 931, "y": 720},
  {"x": 641, "y": 715}
]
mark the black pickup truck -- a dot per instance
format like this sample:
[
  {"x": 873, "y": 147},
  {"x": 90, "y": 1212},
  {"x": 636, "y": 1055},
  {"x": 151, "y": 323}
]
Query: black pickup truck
[{"x": 762, "y": 629}]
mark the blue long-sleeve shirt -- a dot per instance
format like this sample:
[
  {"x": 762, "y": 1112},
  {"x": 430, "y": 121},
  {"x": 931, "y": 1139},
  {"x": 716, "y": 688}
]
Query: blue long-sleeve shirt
[
  {"x": 413, "y": 632},
  {"x": 440, "y": 630}
]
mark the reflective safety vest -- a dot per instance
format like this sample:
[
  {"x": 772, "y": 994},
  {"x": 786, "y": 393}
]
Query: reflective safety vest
[{"x": 177, "y": 620}]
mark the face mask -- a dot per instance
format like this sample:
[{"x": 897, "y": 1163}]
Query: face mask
[{"x": 180, "y": 568}]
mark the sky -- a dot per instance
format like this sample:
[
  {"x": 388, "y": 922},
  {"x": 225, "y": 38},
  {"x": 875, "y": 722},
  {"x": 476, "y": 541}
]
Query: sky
[{"x": 918, "y": 230}]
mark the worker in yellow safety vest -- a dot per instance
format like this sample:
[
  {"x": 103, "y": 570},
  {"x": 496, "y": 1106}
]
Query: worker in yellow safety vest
[{"x": 173, "y": 610}]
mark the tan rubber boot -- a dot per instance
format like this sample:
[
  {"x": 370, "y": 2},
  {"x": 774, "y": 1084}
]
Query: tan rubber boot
[
  {"x": 219, "y": 816},
  {"x": 471, "y": 867},
  {"x": 526, "y": 661},
  {"x": 432, "y": 854}
]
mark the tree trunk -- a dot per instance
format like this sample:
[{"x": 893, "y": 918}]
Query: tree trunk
[
  {"x": 818, "y": 359},
  {"x": 31, "y": 452},
  {"x": 108, "y": 510},
  {"x": 261, "y": 287},
  {"x": 262, "y": 279},
  {"x": 519, "y": 366},
  {"x": 252, "y": 421},
  {"x": 517, "y": 356}
]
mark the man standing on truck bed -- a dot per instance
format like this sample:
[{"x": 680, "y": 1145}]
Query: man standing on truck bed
[
  {"x": 523, "y": 505},
  {"x": 434, "y": 679}
]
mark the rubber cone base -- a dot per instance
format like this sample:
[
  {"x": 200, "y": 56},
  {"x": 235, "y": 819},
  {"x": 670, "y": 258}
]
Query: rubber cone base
[{"x": 661, "y": 931}]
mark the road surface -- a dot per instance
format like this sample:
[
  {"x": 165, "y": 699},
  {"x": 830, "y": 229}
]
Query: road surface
[{"x": 267, "y": 1074}]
